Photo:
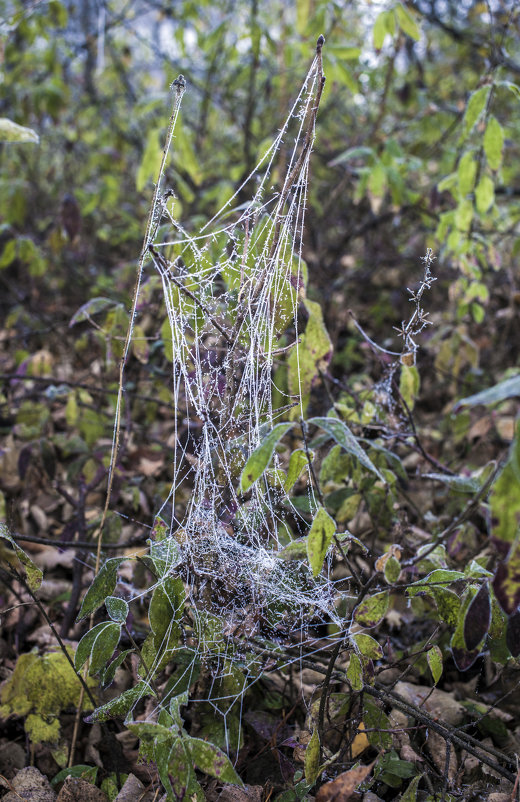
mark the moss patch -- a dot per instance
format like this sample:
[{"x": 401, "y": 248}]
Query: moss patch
[{"x": 40, "y": 687}]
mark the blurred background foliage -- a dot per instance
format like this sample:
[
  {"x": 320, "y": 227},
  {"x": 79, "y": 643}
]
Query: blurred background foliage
[{"x": 417, "y": 146}]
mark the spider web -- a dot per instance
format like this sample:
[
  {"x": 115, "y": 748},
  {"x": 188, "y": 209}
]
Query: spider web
[{"x": 232, "y": 291}]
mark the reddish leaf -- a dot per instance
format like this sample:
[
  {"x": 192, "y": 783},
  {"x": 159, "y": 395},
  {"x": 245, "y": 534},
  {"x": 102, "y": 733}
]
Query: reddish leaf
[
  {"x": 513, "y": 633},
  {"x": 478, "y": 618},
  {"x": 506, "y": 583},
  {"x": 464, "y": 659}
]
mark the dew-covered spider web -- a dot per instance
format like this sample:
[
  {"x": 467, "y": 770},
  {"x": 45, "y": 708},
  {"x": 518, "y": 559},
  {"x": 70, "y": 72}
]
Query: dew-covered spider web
[{"x": 232, "y": 292}]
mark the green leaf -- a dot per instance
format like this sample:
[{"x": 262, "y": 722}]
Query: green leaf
[
  {"x": 392, "y": 570},
  {"x": 464, "y": 657},
  {"x": 122, "y": 704},
  {"x": 368, "y": 646},
  {"x": 33, "y": 573},
  {"x": 261, "y": 456},
  {"x": 355, "y": 672},
  {"x": 108, "y": 674},
  {"x": 12, "y": 132},
  {"x": 505, "y": 499},
  {"x": 494, "y": 143},
  {"x": 509, "y": 388},
  {"x": 297, "y": 463},
  {"x": 434, "y": 657},
  {"x": 92, "y": 307},
  {"x": 409, "y": 383},
  {"x": 319, "y": 539},
  {"x": 102, "y": 586},
  {"x": 440, "y": 576},
  {"x": 312, "y": 355},
  {"x": 211, "y": 760},
  {"x": 295, "y": 550},
  {"x": 381, "y": 28},
  {"x": 177, "y": 772},
  {"x": 98, "y": 646},
  {"x": 353, "y": 153},
  {"x": 117, "y": 609},
  {"x": 461, "y": 484},
  {"x": 88, "y": 773},
  {"x": 448, "y": 604},
  {"x": 9, "y": 253},
  {"x": 466, "y": 173},
  {"x": 474, "y": 109},
  {"x": 371, "y": 610},
  {"x": 410, "y": 795},
  {"x": 407, "y": 23},
  {"x": 514, "y": 88},
  {"x": 340, "y": 432},
  {"x": 312, "y": 759},
  {"x": 484, "y": 194},
  {"x": 375, "y": 719},
  {"x": 164, "y": 614}
]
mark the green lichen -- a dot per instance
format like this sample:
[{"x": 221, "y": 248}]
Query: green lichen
[
  {"x": 40, "y": 687},
  {"x": 42, "y": 730}
]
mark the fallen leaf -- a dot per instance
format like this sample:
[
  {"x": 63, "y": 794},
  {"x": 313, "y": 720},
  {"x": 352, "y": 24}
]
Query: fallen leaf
[
  {"x": 437, "y": 749},
  {"x": 440, "y": 704},
  {"x": 344, "y": 785},
  {"x": 360, "y": 742},
  {"x": 30, "y": 783},
  {"x": 249, "y": 793}
]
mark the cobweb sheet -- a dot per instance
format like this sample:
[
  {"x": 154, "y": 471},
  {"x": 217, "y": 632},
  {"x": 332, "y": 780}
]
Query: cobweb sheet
[{"x": 232, "y": 292}]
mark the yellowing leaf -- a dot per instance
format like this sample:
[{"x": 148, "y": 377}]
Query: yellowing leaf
[
  {"x": 33, "y": 573},
  {"x": 407, "y": 23},
  {"x": 379, "y": 31},
  {"x": 494, "y": 143},
  {"x": 466, "y": 173},
  {"x": 302, "y": 15},
  {"x": 371, "y": 610},
  {"x": 319, "y": 539},
  {"x": 297, "y": 463},
  {"x": 434, "y": 657},
  {"x": 474, "y": 109},
  {"x": 312, "y": 759},
  {"x": 355, "y": 673},
  {"x": 368, "y": 646},
  {"x": 385, "y": 23},
  {"x": 464, "y": 215},
  {"x": 312, "y": 355},
  {"x": 360, "y": 742},
  {"x": 140, "y": 347},
  {"x": 393, "y": 551},
  {"x": 409, "y": 383},
  {"x": 484, "y": 194}
]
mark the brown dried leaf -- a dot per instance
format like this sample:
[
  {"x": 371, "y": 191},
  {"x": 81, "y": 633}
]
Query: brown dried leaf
[
  {"x": 437, "y": 749},
  {"x": 440, "y": 704},
  {"x": 31, "y": 785},
  {"x": 345, "y": 784},
  {"x": 134, "y": 790},
  {"x": 75, "y": 789},
  {"x": 249, "y": 793}
]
